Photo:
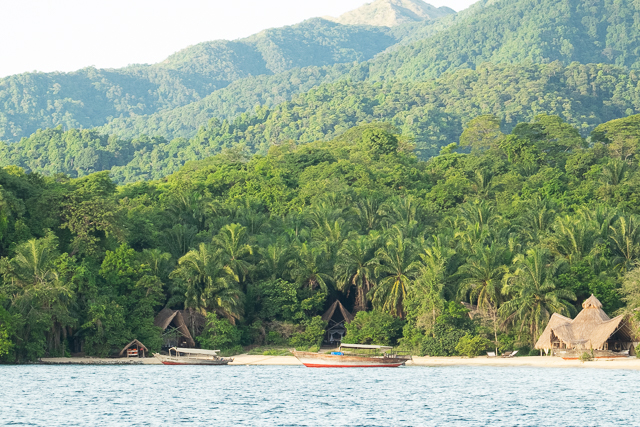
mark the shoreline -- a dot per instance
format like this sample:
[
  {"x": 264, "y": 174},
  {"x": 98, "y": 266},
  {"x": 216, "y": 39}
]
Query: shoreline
[{"x": 630, "y": 363}]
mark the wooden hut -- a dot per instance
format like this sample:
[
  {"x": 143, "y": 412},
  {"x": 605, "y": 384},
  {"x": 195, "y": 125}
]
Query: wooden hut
[
  {"x": 175, "y": 330},
  {"x": 336, "y": 317},
  {"x": 134, "y": 349},
  {"x": 591, "y": 330}
]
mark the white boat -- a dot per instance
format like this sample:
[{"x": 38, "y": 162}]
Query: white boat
[
  {"x": 192, "y": 356},
  {"x": 353, "y": 356}
]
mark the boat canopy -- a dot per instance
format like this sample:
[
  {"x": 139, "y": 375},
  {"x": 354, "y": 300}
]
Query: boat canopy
[
  {"x": 365, "y": 346},
  {"x": 196, "y": 351}
]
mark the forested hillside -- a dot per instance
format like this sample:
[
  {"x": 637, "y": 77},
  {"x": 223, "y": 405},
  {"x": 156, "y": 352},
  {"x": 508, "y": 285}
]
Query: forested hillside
[
  {"x": 520, "y": 31},
  {"x": 502, "y": 32},
  {"x": 527, "y": 224},
  {"x": 431, "y": 113},
  {"x": 92, "y": 97}
]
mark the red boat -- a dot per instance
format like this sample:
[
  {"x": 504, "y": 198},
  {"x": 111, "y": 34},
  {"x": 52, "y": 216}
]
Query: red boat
[{"x": 353, "y": 356}]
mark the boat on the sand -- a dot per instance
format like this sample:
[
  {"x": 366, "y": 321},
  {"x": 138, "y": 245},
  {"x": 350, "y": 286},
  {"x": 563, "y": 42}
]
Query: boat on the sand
[
  {"x": 192, "y": 356},
  {"x": 353, "y": 356}
]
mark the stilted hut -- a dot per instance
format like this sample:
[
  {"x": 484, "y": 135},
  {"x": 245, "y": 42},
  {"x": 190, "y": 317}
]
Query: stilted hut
[
  {"x": 134, "y": 349},
  {"x": 591, "y": 330},
  {"x": 336, "y": 317},
  {"x": 175, "y": 331}
]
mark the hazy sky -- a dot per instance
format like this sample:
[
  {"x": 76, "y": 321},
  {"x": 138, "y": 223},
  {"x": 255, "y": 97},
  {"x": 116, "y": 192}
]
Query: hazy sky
[{"x": 65, "y": 35}]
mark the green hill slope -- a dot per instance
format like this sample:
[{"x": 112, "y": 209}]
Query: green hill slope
[
  {"x": 538, "y": 31},
  {"x": 432, "y": 112},
  {"x": 91, "y": 97}
]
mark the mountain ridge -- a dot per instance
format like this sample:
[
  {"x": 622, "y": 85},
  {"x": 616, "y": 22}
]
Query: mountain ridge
[{"x": 390, "y": 13}]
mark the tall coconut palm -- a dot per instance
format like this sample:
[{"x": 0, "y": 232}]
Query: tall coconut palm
[
  {"x": 534, "y": 294},
  {"x": 354, "y": 268},
  {"x": 395, "y": 269},
  {"x": 209, "y": 284}
]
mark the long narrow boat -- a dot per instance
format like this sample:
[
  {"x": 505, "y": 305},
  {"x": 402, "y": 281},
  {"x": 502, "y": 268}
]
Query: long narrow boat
[
  {"x": 353, "y": 356},
  {"x": 192, "y": 356}
]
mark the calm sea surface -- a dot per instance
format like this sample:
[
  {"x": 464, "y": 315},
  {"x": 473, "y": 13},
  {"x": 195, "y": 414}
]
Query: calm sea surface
[{"x": 292, "y": 395}]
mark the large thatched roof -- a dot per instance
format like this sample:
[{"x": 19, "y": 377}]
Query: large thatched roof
[
  {"x": 167, "y": 317},
  {"x": 348, "y": 317},
  {"x": 590, "y": 329}
]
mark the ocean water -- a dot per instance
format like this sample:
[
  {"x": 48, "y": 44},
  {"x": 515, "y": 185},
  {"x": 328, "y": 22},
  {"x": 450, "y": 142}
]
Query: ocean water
[{"x": 39, "y": 395}]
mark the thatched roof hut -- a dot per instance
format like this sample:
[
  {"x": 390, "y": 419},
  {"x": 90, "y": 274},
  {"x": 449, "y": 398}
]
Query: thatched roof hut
[
  {"x": 592, "y": 329},
  {"x": 136, "y": 345},
  {"x": 337, "y": 305},
  {"x": 174, "y": 318},
  {"x": 336, "y": 316}
]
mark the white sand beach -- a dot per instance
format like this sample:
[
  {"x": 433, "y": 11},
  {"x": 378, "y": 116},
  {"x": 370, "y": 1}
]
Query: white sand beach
[{"x": 630, "y": 363}]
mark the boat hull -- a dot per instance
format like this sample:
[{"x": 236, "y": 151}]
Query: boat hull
[
  {"x": 597, "y": 354},
  {"x": 316, "y": 360},
  {"x": 170, "y": 360}
]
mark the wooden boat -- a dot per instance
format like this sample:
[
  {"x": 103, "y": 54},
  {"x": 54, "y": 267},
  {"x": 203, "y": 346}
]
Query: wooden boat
[
  {"x": 192, "y": 356},
  {"x": 597, "y": 354},
  {"x": 353, "y": 356}
]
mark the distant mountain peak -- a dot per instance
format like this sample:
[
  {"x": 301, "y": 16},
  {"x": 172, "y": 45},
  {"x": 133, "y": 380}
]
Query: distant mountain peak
[{"x": 389, "y": 13}]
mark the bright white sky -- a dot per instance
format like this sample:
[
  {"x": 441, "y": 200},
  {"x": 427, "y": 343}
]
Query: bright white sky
[{"x": 65, "y": 35}]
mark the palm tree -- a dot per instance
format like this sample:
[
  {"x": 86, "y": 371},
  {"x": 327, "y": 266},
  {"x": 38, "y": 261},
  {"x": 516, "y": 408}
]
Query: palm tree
[
  {"x": 430, "y": 287},
  {"x": 368, "y": 214},
  {"x": 395, "y": 268},
  {"x": 209, "y": 284},
  {"x": 482, "y": 182},
  {"x": 534, "y": 295},
  {"x": 309, "y": 267},
  {"x": 537, "y": 219},
  {"x": 330, "y": 236},
  {"x": 354, "y": 267},
  {"x": 482, "y": 283},
  {"x": 574, "y": 237},
  {"x": 274, "y": 259},
  {"x": 625, "y": 238},
  {"x": 37, "y": 293},
  {"x": 158, "y": 261},
  {"x": 232, "y": 242}
]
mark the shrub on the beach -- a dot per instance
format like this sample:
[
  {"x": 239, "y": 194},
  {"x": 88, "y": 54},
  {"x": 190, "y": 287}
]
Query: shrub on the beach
[
  {"x": 311, "y": 336},
  {"x": 374, "y": 327},
  {"x": 471, "y": 346},
  {"x": 445, "y": 334},
  {"x": 586, "y": 357},
  {"x": 219, "y": 334}
]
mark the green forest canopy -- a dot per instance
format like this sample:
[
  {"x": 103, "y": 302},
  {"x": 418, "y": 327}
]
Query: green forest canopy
[
  {"x": 525, "y": 224},
  {"x": 431, "y": 113}
]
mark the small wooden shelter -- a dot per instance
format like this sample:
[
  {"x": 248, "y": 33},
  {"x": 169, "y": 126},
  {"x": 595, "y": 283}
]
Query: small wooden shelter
[
  {"x": 175, "y": 330},
  {"x": 336, "y": 317},
  {"x": 134, "y": 349},
  {"x": 592, "y": 329}
]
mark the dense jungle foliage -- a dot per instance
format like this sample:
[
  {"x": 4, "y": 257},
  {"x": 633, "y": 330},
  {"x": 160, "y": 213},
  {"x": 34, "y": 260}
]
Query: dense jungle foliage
[
  {"x": 432, "y": 113},
  {"x": 519, "y": 225}
]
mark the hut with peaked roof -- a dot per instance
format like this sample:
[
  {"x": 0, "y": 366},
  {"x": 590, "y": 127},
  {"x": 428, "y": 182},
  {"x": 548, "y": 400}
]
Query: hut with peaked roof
[
  {"x": 591, "y": 330},
  {"x": 336, "y": 317},
  {"x": 175, "y": 331},
  {"x": 134, "y": 349}
]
